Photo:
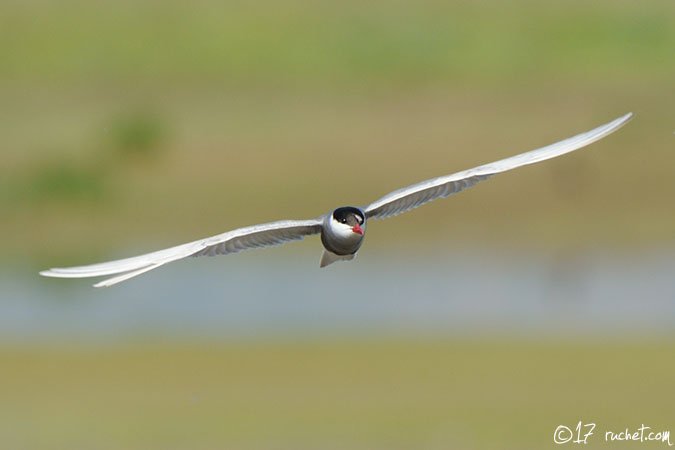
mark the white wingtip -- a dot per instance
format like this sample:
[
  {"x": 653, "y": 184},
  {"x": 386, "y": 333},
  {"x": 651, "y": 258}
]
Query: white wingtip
[
  {"x": 111, "y": 281},
  {"x": 625, "y": 118},
  {"x": 66, "y": 273}
]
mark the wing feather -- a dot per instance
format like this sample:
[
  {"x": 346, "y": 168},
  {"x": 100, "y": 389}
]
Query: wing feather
[
  {"x": 411, "y": 197},
  {"x": 256, "y": 236}
]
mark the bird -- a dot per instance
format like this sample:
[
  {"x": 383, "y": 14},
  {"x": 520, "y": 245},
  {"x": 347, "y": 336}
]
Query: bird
[{"x": 343, "y": 229}]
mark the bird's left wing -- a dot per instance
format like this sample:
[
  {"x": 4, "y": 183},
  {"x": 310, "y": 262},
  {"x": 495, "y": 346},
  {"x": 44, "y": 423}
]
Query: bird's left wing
[
  {"x": 411, "y": 197},
  {"x": 262, "y": 235}
]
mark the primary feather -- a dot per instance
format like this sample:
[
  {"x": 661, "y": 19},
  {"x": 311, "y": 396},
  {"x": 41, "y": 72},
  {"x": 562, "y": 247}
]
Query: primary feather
[
  {"x": 263, "y": 235},
  {"x": 411, "y": 197}
]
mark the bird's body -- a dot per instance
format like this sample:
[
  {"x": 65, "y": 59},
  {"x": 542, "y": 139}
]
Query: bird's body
[
  {"x": 343, "y": 229},
  {"x": 342, "y": 234}
]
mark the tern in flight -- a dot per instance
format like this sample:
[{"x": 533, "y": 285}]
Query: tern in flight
[{"x": 342, "y": 230}]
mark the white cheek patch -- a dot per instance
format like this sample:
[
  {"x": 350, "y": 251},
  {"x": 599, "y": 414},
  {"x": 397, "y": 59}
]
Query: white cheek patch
[{"x": 342, "y": 229}]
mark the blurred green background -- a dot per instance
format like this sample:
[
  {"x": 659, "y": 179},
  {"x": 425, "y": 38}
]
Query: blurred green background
[{"x": 136, "y": 125}]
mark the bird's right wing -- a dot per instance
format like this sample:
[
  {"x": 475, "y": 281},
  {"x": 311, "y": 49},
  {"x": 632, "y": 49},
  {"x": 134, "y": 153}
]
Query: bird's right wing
[
  {"x": 256, "y": 236},
  {"x": 411, "y": 197}
]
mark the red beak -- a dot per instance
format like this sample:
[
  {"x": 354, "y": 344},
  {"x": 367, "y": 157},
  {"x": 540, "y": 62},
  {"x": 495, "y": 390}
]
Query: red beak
[{"x": 357, "y": 229}]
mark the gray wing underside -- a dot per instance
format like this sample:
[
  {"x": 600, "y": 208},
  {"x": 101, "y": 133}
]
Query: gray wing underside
[
  {"x": 411, "y": 197},
  {"x": 256, "y": 236}
]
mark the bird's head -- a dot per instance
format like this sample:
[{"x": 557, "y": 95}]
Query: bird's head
[{"x": 348, "y": 220}]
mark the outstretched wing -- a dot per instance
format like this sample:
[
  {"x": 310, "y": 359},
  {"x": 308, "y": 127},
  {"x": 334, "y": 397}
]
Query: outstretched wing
[
  {"x": 405, "y": 199},
  {"x": 256, "y": 236}
]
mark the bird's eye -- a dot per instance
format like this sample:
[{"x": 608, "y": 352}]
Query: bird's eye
[{"x": 343, "y": 220}]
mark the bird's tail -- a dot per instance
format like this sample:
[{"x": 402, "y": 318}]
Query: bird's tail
[{"x": 328, "y": 258}]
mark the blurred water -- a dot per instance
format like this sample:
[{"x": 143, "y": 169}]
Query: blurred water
[{"x": 255, "y": 295}]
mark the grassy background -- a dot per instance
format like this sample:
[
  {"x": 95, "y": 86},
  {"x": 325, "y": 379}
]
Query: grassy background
[{"x": 370, "y": 394}]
